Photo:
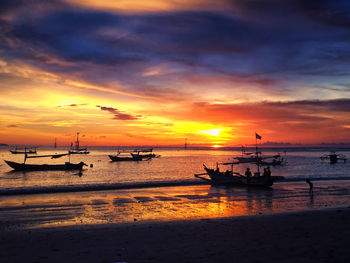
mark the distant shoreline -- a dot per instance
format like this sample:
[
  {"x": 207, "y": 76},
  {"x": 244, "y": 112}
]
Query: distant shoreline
[{"x": 340, "y": 146}]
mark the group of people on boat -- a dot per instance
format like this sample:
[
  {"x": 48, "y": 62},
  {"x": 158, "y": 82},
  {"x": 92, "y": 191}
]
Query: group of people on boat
[{"x": 267, "y": 173}]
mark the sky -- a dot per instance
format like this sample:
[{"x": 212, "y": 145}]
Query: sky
[{"x": 157, "y": 72}]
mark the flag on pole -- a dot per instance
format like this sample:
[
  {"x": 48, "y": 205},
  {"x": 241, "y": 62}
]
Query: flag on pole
[{"x": 257, "y": 136}]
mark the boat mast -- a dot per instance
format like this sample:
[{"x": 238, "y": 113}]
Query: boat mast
[
  {"x": 257, "y": 136},
  {"x": 55, "y": 145},
  {"x": 25, "y": 155},
  {"x": 77, "y": 142}
]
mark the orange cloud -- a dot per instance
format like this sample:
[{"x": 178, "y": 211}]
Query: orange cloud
[{"x": 139, "y": 6}]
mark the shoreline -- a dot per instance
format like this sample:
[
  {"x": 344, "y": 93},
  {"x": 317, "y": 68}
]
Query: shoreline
[
  {"x": 303, "y": 236},
  {"x": 142, "y": 185}
]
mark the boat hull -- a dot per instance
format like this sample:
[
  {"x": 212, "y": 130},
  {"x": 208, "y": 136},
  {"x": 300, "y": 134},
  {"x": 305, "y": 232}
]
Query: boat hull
[
  {"x": 217, "y": 177},
  {"x": 144, "y": 156},
  {"x": 45, "y": 167},
  {"x": 115, "y": 158},
  {"x": 78, "y": 152}
]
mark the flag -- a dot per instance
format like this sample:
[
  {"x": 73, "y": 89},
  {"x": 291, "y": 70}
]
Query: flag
[{"x": 257, "y": 136}]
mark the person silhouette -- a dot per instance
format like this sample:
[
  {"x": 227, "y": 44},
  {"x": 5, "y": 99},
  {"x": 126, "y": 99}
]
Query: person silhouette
[
  {"x": 248, "y": 174},
  {"x": 265, "y": 174},
  {"x": 268, "y": 171},
  {"x": 311, "y": 186}
]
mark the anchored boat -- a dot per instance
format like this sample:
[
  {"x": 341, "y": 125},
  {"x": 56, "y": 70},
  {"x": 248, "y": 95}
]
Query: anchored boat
[
  {"x": 45, "y": 167},
  {"x": 333, "y": 157},
  {"x": 148, "y": 154},
  {"x": 121, "y": 158},
  {"x": 76, "y": 149}
]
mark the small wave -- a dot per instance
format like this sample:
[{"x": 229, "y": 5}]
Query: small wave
[
  {"x": 99, "y": 187},
  {"x": 140, "y": 185},
  {"x": 300, "y": 179}
]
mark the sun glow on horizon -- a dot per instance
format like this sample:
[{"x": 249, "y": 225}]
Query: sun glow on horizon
[{"x": 211, "y": 132}]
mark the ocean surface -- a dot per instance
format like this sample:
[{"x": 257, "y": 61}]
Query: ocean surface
[{"x": 163, "y": 188}]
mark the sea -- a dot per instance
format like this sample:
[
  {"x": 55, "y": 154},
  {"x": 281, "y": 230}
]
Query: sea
[{"x": 163, "y": 188}]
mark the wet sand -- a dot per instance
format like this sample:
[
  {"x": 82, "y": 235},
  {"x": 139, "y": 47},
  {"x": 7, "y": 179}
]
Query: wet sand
[{"x": 311, "y": 236}]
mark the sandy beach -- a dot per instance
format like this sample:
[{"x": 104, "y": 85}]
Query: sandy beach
[{"x": 311, "y": 236}]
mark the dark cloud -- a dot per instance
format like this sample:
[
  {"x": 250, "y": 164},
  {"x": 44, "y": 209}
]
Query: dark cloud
[
  {"x": 12, "y": 126},
  {"x": 119, "y": 115},
  {"x": 334, "y": 13},
  {"x": 72, "y": 105},
  {"x": 336, "y": 105},
  {"x": 268, "y": 42}
]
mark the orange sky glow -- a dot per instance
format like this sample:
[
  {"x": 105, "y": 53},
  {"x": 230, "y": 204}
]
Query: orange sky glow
[{"x": 157, "y": 72}]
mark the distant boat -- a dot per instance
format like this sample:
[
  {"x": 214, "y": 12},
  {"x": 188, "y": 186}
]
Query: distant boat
[
  {"x": 76, "y": 149},
  {"x": 276, "y": 160},
  {"x": 247, "y": 157},
  {"x": 148, "y": 154},
  {"x": 121, "y": 158},
  {"x": 45, "y": 167},
  {"x": 333, "y": 157},
  {"x": 26, "y": 150},
  {"x": 258, "y": 158}
]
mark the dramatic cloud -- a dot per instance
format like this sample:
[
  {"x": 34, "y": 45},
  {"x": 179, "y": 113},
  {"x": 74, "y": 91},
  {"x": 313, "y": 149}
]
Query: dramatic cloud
[
  {"x": 118, "y": 115},
  {"x": 254, "y": 39},
  {"x": 281, "y": 65}
]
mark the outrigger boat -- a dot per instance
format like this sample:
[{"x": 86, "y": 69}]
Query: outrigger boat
[
  {"x": 277, "y": 160},
  {"x": 149, "y": 154},
  {"x": 45, "y": 167},
  {"x": 233, "y": 178},
  {"x": 247, "y": 157},
  {"x": 26, "y": 150},
  {"x": 76, "y": 149},
  {"x": 121, "y": 158},
  {"x": 333, "y": 157},
  {"x": 257, "y": 156}
]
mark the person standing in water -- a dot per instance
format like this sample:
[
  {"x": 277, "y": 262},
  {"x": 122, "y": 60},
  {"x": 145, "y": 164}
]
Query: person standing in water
[{"x": 311, "y": 186}]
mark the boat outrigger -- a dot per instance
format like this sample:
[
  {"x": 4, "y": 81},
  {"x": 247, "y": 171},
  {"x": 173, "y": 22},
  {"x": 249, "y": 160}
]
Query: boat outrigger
[
  {"x": 31, "y": 150},
  {"x": 45, "y": 167}
]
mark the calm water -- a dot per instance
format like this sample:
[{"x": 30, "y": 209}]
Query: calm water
[{"x": 174, "y": 168}]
